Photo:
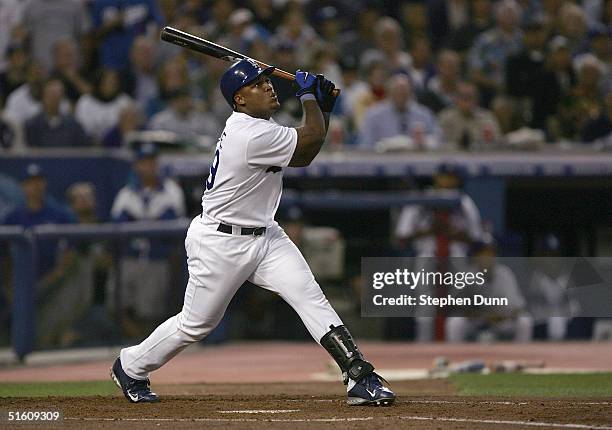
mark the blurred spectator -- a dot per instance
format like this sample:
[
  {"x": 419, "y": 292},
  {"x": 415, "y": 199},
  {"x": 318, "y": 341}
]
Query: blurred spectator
[
  {"x": 99, "y": 112},
  {"x": 584, "y": 101},
  {"x": 25, "y": 102},
  {"x": 117, "y": 24},
  {"x": 130, "y": 120},
  {"x": 145, "y": 273},
  {"x": 323, "y": 60},
  {"x": 466, "y": 125},
  {"x": 356, "y": 42},
  {"x": 400, "y": 115},
  {"x": 140, "y": 76},
  {"x": 573, "y": 26},
  {"x": 506, "y": 115},
  {"x": 562, "y": 80},
  {"x": 510, "y": 322},
  {"x": 13, "y": 76},
  {"x": 172, "y": 77},
  {"x": 216, "y": 25},
  {"x": 601, "y": 126},
  {"x": 447, "y": 17},
  {"x": 265, "y": 13},
  {"x": 480, "y": 20},
  {"x": 242, "y": 30},
  {"x": 55, "y": 259},
  {"x": 376, "y": 75},
  {"x": 413, "y": 16},
  {"x": 329, "y": 25},
  {"x": 184, "y": 118},
  {"x": 48, "y": 22},
  {"x": 422, "y": 69},
  {"x": 8, "y": 134},
  {"x": 52, "y": 128},
  {"x": 295, "y": 29},
  {"x": 488, "y": 55},
  {"x": 441, "y": 88},
  {"x": 389, "y": 39},
  {"x": 11, "y": 15},
  {"x": 529, "y": 79},
  {"x": 66, "y": 68}
]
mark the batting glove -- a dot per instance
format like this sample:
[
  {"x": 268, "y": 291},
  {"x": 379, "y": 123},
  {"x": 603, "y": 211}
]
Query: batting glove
[
  {"x": 325, "y": 94},
  {"x": 307, "y": 83}
]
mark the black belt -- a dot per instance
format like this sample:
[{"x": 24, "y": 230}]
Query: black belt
[{"x": 255, "y": 231}]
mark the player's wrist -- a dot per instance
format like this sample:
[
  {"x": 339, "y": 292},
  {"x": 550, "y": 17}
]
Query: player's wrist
[{"x": 307, "y": 96}]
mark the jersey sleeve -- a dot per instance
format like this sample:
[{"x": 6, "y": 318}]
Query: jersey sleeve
[{"x": 271, "y": 145}]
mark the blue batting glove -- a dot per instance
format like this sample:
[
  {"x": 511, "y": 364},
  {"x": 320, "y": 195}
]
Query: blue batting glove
[{"x": 307, "y": 83}]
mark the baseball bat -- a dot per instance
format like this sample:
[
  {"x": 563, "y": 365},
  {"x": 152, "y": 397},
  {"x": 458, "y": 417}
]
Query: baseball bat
[{"x": 203, "y": 46}]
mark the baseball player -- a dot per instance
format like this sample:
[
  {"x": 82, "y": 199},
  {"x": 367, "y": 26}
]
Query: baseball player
[{"x": 236, "y": 239}]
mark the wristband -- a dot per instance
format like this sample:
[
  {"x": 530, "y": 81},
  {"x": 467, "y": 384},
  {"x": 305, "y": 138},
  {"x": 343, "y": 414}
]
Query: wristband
[{"x": 307, "y": 96}]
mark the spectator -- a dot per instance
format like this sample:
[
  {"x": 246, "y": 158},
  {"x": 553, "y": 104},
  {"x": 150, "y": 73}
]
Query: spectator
[
  {"x": 356, "y": 42},
  {"x": 480, "y": 20},
  {"x": 506, "y": 115},
  {"x": 219, "y": 13},
  {"x": 389, "y": 40},
  {"x": 184, "y": 118},
  {"x": 14, "y": 74},
  {"x": 601, "y": 126},
  {"x": 265, "y": 13},
  {"x": 296, "y": 30},
  {"x": 447, "y": 17},
  {"x": 49, "y": 22},
  {"x": 140, "y": 80},
  {"x": 117, "y": 24},
  {"x": 56, "y": 259},
  {"x": 530, "y": 80},
  {"x": 374, "y": 91},
  {"x": 8, "y": 134},
  {"x": 466, "y": 125},
  {"x": 329, "y": 25},
  {"x": 584, "y": 101},
  {"x": 145, "y": 270},
  {"x": 99, "y": 112},
  {"x": 422, "y": 69},
  {"x": 172, "y": 77},
  {"x": 488, "y": 55},
  {"x": 413, "y": 20},
  {"x": 66, "y": 68},
  {"x": 25, "y": 102},
  {"x": 243, "y": 30},
  {"x": 51, "y": 128},
  {"x": 573, "y": 26},
  {"x": 441, "y": 88},
  {"x": 11, "y": 15},
  {"x": 400, "y": 115},
  {"x": 510, "y": 322},
  {"x": 130, "y": 120}
]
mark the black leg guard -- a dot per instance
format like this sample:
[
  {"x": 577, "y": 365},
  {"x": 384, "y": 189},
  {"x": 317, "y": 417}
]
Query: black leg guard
[{"x": 340, "y": 345}]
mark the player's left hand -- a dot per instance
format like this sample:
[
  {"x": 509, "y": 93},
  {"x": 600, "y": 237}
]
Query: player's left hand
[{"x": 325, "y": 94}]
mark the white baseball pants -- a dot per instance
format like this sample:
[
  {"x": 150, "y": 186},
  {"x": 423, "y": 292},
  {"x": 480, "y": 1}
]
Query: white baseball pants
[{"x": 219, "y": 263}]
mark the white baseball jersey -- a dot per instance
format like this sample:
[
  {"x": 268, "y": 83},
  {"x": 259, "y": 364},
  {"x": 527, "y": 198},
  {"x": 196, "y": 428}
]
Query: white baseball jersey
[{"x": 245, "y": 181}]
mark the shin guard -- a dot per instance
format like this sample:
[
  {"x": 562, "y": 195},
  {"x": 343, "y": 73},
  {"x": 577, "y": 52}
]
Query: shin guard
[{"x": 340, "y": 345}]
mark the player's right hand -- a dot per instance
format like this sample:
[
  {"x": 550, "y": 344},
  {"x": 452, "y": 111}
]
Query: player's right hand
[
  {"x": 307, "y": 83},
  {"x": 325, "y": 94}
]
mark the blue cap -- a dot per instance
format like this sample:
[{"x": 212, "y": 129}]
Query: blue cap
[
  {"x": 238, "y": 75},
  {"x": 32, "y": 170},
  {"x": 146, "y": 150}
]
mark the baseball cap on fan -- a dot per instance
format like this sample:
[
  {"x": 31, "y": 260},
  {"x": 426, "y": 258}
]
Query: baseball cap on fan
[
  {"x": 147, "y": 150},
  {"x": 32, "y": 170}
]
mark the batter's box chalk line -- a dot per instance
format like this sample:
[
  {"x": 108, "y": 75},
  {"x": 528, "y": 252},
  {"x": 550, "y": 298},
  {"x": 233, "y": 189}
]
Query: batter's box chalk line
[{"x": 352, "y": 419}]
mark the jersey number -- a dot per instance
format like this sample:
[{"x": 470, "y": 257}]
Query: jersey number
[{"x": 210, "y": 181}]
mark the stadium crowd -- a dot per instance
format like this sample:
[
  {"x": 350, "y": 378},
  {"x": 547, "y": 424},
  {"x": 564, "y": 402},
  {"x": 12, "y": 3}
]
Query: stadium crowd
[{"x": 435, "y": 74}]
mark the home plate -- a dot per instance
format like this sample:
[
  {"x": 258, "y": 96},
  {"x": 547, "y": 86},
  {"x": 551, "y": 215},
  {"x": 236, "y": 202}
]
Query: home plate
[{"x": 260, "y": 411}]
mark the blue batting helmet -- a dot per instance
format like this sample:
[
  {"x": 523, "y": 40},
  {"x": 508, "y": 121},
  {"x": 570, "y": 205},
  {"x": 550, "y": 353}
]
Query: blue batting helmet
[{"x": 239, "y": 75}]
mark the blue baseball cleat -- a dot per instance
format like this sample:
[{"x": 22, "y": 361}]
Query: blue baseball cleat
[
  {"x": 369, "y": 391},
  {"x": 135, "y": 390}
]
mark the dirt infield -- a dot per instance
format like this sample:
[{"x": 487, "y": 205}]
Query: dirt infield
[{"x": 428, "y": 404}]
